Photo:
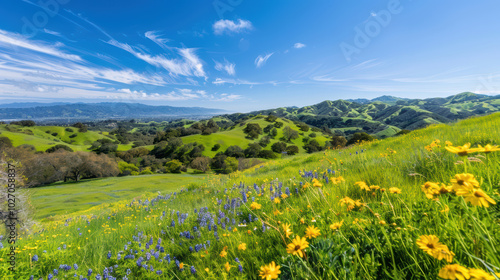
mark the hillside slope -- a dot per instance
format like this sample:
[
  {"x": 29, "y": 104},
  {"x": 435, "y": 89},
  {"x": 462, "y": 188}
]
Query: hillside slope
[
  {"x": 44, "y": 137},
  {"x": 233, "y": 227},
  {"x": 382, "y": 115},
  {"x": 237, "y": 137}
]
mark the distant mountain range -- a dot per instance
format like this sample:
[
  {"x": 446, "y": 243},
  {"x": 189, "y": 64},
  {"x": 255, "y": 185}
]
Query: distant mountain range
[
  {"x": 93, "y": 111},
  {"x": 386, "y": 115},
  {"x": 383, "y": 116}
]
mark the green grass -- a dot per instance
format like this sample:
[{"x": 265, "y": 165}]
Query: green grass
[
  {"x": 363, "y": 248},
  {"x": 67, "y": 198}
]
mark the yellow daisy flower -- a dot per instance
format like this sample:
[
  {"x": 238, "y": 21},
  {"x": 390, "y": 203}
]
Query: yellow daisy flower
[
  {"x": 454, "y": 271},
  {"x": 270, "y": 271},
  {"x": 312, "y": 232},
  {"x": 298, "y": 244}
]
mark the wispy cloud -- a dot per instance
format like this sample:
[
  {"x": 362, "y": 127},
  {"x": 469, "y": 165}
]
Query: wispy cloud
[
  {"x": 261, "y": 60},
  {"x": 231, "y": 27},
  {"x": 90, "y": 23},
  {"x": 227, "y": 97},
  {"x": 33, "y": 68},
  {"x": 52, "y": 32},
  {"x": 226, "y": 66},
  {"x": 299, "y": 45},
  {"x": 189, "y": 64},
  {"x": 221, "y": 81},
  {"x": 155, "y": 37},
  {"x": 8, "y": 39}
]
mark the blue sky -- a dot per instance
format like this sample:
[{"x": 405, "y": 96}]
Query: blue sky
[{"x": 243, "y": 55}]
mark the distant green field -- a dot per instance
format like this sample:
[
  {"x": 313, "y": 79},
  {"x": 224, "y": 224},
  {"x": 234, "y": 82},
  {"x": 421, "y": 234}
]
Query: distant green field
[{"x": 67, "y": 198}]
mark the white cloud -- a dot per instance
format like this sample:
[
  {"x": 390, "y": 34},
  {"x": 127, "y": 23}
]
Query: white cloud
[
  {"x": 227, "y": 97},
  {"x": 8, "y": 39},
  {"x": 52, "y": 32},
  {"x": 221, "y": 81},
  {"x": 225, "y": 66},
  {"x": 299, "y": 45},
  {"x": 228, "y": 26},
  {"x": 154, "y": 36},
  {"x": 188, "y": 65},
  {"x": 261, "y": 60}
]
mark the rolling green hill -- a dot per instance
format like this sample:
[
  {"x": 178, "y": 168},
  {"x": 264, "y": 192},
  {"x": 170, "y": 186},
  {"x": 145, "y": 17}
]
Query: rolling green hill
[
  {"x": 386, "y": 115},
  {"x": 237, "y": 137},
  {"x": 44, "y": 137}
]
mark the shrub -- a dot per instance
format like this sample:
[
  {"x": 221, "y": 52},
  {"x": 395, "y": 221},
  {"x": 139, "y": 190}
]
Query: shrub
[
  {"x": 403, "y": 131},
  {"x": 245, "y": 163},
  {"x": 73, "y": 135},
  {"x": 231, "y": 165},
  {"x": 278, "y": 147},
  {"x": 338, "y": 141},
  {"x": 201, "y": 163},
  {"x": 267, "y": 154},
  {"x": 146, "y": 171},
  {"x": 271, "y": 118},
  {"x": 127, "y": 167},
  {"x": 215, "y": 147},
  {"x": 253, "y": 130},
  {"x": 24, "y": 123},
  {"x": 234, "y": 151},
  {"x": 290, "y": 134},
  {"x": 57, "y": 147},
  {"x": 359, "y": 137},
  {"x": 253, "y": 150},
  {"x": 54, "y": 134},
  {"x": 5, "y": 143},
  {"x": 173, "y": 166},
  {"x": 264, "y": 141},
  {"x": 292, "y": 150},
  {"x": 68, "y": 129},
  {"x": 312, "y": 146}
]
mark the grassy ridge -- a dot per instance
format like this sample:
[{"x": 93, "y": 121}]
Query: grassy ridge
[{"x": 375, "y": 241}]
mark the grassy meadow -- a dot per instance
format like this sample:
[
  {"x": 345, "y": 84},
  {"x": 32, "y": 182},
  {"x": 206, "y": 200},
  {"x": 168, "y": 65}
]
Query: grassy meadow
[
  {"x": 68, "y": 198},
  {"x": 371, "y": 211}
]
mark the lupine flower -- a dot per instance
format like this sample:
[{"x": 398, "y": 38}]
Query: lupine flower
[
  {"x": 35, "y": 258},
  {"x": 193, "y": 270}
]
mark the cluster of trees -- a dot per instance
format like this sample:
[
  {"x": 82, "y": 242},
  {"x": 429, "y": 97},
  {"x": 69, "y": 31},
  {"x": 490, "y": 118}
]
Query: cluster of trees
[
  {"x": 58, "y": 164},
  {"x": 204, "y": 128}
]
